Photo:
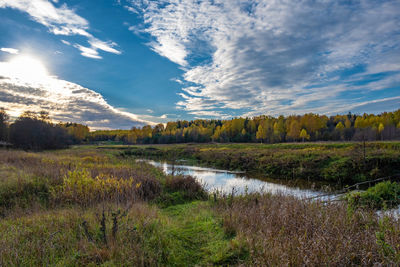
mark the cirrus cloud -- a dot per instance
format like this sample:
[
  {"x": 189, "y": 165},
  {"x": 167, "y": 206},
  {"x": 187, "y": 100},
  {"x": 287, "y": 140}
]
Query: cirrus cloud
[{"x": 277, "y": 57}]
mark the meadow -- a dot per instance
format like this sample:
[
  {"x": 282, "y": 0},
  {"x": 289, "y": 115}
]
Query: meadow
[{"x": 90, "y": 205}]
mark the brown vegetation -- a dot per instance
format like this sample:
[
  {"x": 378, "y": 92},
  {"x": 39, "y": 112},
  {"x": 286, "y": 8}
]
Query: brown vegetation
[{"x": 285, "y": 231}]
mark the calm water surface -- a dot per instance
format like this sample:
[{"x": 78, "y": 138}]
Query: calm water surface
[{"x": 226, "y": 181}]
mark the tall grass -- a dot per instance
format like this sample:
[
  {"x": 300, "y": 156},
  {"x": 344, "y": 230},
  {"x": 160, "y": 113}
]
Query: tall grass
[{"x": 286, "y": 231}]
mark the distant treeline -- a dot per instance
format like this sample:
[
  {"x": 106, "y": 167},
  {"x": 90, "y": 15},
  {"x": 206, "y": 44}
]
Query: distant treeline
[
  {"x": 36, "y": 131},
  {"x": 266, "y": 129},
  {"x": 32, "y": 131}
]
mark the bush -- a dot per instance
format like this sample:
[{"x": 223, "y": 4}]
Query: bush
[
  {"x": 181, "y": 189},
  {"x": 81, "y": 188},
  {"x": 382, "y": 195}
]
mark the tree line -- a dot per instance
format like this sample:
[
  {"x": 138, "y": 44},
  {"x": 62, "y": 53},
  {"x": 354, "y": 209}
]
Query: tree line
[
  {"x": 265, "y": 129},
  {"x": 36, "y": 131}
]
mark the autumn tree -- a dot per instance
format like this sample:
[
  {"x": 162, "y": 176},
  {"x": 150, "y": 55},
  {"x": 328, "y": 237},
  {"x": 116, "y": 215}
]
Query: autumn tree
[
  {"x": 266, "y": 129},
  {"x": 380, "y": 130},
  {"x": 304, "y": 135},
  {"x": 279, "y": 129},
  {"x": 78, "y": 131},
  {"x": 294, "y": 130},
  {"x": 261, "y": 133},
  {"x": 340, "y": 129}
]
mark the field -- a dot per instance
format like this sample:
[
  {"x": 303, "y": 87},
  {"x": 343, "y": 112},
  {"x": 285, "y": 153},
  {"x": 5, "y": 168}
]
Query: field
[{"x": 89, "y": 206}]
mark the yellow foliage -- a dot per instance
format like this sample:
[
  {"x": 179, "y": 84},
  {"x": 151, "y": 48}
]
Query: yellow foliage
[{"x": 79, "y": 187}]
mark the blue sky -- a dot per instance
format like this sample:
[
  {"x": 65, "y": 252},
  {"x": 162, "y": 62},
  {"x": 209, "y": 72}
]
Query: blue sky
[{"x": 118, "y": 64}]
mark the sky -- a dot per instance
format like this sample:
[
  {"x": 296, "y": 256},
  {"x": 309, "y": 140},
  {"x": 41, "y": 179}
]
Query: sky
[{"x": 115, "y": 64}]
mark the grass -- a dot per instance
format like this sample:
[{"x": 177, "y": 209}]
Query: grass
[
  {"x": 86, "y": 207},
  {"x": 280, "y": 230},
  {"x": 199, "y": 238}
]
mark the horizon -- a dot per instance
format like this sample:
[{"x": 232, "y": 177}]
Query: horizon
[{"x": 121, "y": 64}]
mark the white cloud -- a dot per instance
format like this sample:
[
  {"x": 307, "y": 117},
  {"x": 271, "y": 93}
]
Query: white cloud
[
  {"x": 9, "y": 50},
  {"x": 88, "y": 51},
  {"x": 60, "y": 21},
  {"x": 131, "y": 9},
  {"x": 65, "y": 101},
  {"x": 276, "y": 57},
  {"x": 65, "y": 42},
  {"x": 105, "y": 46}
]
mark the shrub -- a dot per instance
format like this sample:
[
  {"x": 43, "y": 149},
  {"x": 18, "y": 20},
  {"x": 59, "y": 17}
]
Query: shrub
[
  {"x": 80, "y": 188},
  {"x": 181, "y": 189},
  {"x": 382, "y": 195}
]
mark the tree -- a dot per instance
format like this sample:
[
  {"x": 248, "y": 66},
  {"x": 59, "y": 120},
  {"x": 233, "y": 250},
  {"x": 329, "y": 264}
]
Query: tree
[
  {"x": 261, "y": 133},
  {"x": 304, "y": 135},
  {"x": 380, "y": 130},
  {"x": 347, "y": 123},
  {"x": 78, "y": 131},
  {"x": 29, "y": 132},
  {"x": 3, "y": 125},
  {"x": 340, "y": 130},
  {"x": 279, "y": 129},
  {"x": 339, "y": 126},
  {"x": 294, "y": 130}
]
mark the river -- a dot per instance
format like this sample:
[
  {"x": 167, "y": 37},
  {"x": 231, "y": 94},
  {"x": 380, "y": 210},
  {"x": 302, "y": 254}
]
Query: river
[{"x": 226, "y": 181}]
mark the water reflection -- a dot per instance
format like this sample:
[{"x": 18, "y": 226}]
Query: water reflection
[{"x": 225, "y": 181}]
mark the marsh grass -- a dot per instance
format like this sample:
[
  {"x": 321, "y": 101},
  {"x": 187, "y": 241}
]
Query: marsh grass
[{"x": 285, "y": 231}]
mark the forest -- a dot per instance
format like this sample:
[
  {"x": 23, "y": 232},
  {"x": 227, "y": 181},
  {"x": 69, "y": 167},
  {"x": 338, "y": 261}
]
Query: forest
[
  {"x": 265, "y": 129},
  {"x": 36, "y": 130}
]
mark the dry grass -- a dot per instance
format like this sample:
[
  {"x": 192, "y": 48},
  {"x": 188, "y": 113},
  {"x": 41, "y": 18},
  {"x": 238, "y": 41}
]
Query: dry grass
[{"x": 287, "y": 231}]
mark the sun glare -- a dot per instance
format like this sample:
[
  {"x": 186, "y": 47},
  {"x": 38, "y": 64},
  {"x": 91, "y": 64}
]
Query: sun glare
[{"x": 28, "y": 69}]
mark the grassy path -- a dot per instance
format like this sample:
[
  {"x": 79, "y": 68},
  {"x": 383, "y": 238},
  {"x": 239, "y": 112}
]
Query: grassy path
[{"x": 198, "y": 238}]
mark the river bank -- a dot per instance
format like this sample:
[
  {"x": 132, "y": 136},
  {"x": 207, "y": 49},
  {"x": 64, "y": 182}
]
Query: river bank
[{"x": 336, "y": 163}]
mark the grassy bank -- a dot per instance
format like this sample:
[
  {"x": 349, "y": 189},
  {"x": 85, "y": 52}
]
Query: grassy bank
[
  {"x": 339, "y": 163},
  {"x": 86, "y": 207}
]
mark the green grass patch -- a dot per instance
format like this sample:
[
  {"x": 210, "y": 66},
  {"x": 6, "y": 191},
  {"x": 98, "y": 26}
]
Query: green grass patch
[{"x": 198, "y": 238}]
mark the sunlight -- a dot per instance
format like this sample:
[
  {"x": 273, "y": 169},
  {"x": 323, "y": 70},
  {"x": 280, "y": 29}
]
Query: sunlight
[{"x": 28, "y": 69}]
